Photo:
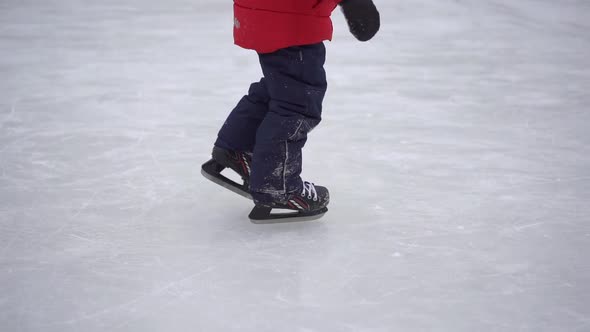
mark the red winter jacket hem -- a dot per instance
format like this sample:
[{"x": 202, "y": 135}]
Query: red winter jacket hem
[{"x": 266, "y": 31}]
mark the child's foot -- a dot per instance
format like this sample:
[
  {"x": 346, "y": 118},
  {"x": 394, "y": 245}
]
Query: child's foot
[
  {"x": 308, "y": 203},
  {"x": 239, "y": 162}
]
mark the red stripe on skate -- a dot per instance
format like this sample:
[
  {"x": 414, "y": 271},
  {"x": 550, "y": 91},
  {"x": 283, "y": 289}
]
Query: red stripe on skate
[{"x": 301, "y": 202}]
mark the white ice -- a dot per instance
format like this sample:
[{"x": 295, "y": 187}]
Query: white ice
[{"x": 456, "y": 145}]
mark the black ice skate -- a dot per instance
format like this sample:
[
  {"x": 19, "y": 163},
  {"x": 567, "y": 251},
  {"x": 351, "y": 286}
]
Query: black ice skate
[
  {"x": 239, "y": 162},
  {"x": 309, "y": 204}
]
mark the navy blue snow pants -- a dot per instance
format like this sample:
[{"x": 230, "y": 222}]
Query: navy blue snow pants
[{"x": 274, "y": 118}]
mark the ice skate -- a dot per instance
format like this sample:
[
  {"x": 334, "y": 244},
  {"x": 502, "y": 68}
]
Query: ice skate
[
  {"x": 238, "y": 162},
  {"x": 308, "y": 204}
]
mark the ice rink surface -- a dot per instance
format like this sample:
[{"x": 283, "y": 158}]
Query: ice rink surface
[{"x": 456, "y": 146}]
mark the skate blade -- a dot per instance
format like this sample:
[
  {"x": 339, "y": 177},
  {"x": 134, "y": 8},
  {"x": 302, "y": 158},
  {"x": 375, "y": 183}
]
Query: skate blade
[
  {"x": 263, "y": 215},
  {"x": 211, "y": 171}
]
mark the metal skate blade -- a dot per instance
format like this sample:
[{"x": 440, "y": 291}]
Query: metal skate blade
[
  {"x": 283, "y": 218},
  {"x": 226, "y": 183}
]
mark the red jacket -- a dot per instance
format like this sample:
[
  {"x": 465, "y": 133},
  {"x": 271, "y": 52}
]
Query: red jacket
[{"x": 268, "y": 25}]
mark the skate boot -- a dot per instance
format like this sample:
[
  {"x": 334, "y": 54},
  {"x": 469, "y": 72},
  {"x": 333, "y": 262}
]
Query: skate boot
[
  {"x": 237, "y": 161},
  {"x": 309, "y": 203}
]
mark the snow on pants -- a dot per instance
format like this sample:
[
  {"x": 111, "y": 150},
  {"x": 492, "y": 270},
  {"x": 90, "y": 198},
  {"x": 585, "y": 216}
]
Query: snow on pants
[{"x": 273, "y": 120}]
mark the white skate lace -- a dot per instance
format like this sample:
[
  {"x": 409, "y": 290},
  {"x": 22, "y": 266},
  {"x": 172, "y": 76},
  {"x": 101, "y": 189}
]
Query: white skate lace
[{"x": 309, "y": 191}]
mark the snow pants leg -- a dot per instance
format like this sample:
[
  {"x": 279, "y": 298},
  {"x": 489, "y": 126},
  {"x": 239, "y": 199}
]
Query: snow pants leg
[
  {"x": 296, "y": 84},
  {"x": 238, "y": 133},
  {"x": 273, "y": 120}
]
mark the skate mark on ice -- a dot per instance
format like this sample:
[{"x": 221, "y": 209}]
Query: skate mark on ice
[{"x": 527, "y": 226}]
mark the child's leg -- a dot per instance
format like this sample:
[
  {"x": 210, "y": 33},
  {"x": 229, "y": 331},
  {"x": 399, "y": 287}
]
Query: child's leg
[
  {"x": 239, "y": 130},
  {"x": 296, "y": 84}
]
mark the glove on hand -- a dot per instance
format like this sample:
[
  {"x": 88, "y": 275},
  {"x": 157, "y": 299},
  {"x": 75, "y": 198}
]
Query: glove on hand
[{"x": 362, "y": 17}]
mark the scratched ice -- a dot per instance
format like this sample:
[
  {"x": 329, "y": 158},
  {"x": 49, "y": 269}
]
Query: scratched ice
[{"x": 456, "y": 146}]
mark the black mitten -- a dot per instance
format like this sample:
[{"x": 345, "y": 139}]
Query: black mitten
[{"x": 362, "y": 17}]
